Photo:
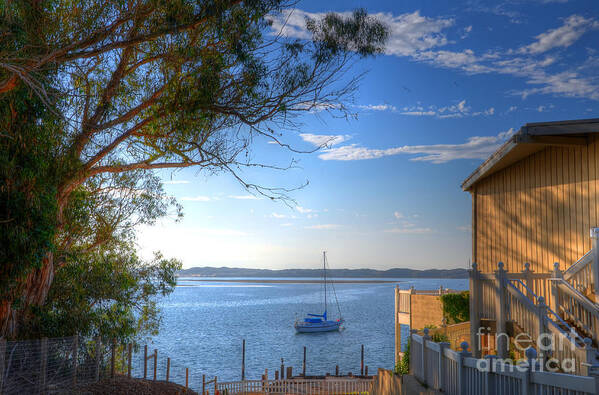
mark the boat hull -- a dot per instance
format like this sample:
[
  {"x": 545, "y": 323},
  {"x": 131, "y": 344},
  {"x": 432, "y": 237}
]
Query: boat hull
[{"x": 326, "y": 326}]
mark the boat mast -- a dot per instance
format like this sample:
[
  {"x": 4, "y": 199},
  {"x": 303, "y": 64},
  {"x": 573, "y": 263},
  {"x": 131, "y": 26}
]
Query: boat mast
[{"x": 324, "y": 265}]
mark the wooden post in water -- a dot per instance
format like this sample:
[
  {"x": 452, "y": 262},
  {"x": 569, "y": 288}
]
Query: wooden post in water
[
  {"x": 289, "y": 372},
  {"x": 304, "y": 368},
  {"x": 168, "y": 368},
  {"x": 362, "y": 361},
  {"x": 186, "y": 378},
  {"x": 242, "y": 360},
  {"x": 155, "y": 362},
  {"x": 145, "y": 361},
  {"x": 112, "y": 357},
  {"x": 366, "y": 370},
  {"x": 203, "y": 384},
  {"x": 337, "y": 370},
  {"x": 215, "y": 385},
  {"x": 129, "y": 352},
  {"x": 277, "y": 375},
  {"x": 282, "y": 369}
]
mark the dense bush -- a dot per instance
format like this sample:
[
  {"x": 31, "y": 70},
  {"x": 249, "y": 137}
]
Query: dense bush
[{"x": 456, "y": 307}]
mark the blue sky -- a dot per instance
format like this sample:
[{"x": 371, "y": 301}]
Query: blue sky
[{"x": 456, "y": 79}]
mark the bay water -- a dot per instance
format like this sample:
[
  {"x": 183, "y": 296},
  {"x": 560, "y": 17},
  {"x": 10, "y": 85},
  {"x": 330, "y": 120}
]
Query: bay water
[{"x": 204, "y": 323}]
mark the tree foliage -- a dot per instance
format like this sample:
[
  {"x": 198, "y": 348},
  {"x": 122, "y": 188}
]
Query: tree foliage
[{"x": 96, "y": 94}]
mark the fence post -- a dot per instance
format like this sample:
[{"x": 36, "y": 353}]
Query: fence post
[
  {"x": 595, "y": 243},
  {"x": 242, "y": 360},
  {"x": 98, "y": 357},
  {"x": 442, "y": 347},
  {"x": 397, "y": 326},
  {"x": 475, "y": 297},
  {"x": 425, "y": 339},
  {"x": 462, "y": 381},
  {"x": 43, "y": 364},
  {"x": 590, "y": 354},
  {"x": 526, "y": 273},
  {"x": 168, "y": 368},
  {"x": 542, "y": 317},
  {"x": 304, "y": 368},
  {"x": 527, "y": 384},
  {"x": 557, "y": 274},
  {"x": 2, "y": 364},
  {"x": 75, "y": 361},
  {"x": 362, "y": 361},
  {"x": 129, "y": 352},
  {"x": 500, "y": 312},
  {"x": 491, "y": 384},
  {"x": 155, "y": 362}
]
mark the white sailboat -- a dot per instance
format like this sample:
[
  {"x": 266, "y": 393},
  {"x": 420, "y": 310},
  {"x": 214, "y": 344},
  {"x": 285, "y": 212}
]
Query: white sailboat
[{"x": 320, "y": 322}]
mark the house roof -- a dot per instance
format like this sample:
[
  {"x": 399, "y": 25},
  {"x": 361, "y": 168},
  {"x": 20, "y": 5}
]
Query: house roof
[{"x": 532, "y": 138}]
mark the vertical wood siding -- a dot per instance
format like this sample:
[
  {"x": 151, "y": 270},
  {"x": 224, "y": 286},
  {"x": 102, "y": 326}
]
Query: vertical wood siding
[{"x": 538, "y": 210}]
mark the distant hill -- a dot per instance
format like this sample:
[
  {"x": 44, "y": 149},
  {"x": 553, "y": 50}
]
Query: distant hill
[{"x": 340, "y": 273}]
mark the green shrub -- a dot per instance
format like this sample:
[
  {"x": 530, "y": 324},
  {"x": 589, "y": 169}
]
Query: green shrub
[
  {"x": 403, "y": 365},
  {"x": 456, "y": 307}
]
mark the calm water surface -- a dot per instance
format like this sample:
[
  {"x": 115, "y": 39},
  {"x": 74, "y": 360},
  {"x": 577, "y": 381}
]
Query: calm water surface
[{"x": 204, "y": 324}]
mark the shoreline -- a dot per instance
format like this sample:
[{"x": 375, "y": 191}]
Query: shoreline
[{"x": 275, "y": 281}]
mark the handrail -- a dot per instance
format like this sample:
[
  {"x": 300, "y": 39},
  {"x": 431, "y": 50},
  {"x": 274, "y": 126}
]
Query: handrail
[
  {"x": 578, "y": 265},
  {"x": 591, "y": 307},
  {"x": 530, "y": 304}
]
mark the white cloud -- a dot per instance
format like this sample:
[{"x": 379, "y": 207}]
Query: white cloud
[
  {"x": 377, "y": 107},
  {"x": 458, "y": 110},
  {"x": 465, "y": 228},
  {"x": 324, "y": 226},
  {"x": 564, "y": 36},
  {"x": 175, "y": 182},
  {"x": 304, "y": 210},
  {"x": 409, "y": 230},
  {"x": 398, "y": 215},
  {"x": 244, "y": 197},
  {"x": 409, "y": 33},
  {"x": 197, "y": 198},
  {"x": 421, "y": 39},
  {"x": 279, "y": 216},
  {"x": 287, "y": 224},
  {"x": 512, "y": 109},
  {"x": 477, "y": 147},
  {"x": 321, "y": 140}
]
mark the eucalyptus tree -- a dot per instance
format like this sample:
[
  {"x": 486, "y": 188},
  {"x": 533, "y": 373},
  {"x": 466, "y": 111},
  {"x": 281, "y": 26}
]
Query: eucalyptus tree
[{"x": 136, "y": 85}]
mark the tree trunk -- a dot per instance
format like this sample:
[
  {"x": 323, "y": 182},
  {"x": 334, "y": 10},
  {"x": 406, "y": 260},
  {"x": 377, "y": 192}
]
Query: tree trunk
[{"x": 33, "y": 292}]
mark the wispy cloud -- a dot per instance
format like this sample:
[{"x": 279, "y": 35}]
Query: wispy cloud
[
  {"x": 197, "y": 198},
  {"x": 304, "y": 210},
  {"x": 422, "y": 39},
  {"x": 322, "y": 140},
  {"x": 243, "y": 197},
  {"x": 175, "y": 182},
  {"x": 476, "y": 147},
  {"x": 465, "y": 228},
  {"x": 458, "y": 110},
  {"x": 376, "y": 107},
  {"x": 398, "y": 215},
  {"x": 324, "y": 226},
  {"x": 573, "y": 28}
]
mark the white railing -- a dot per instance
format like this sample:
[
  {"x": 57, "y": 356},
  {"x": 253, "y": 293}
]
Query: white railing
[
  {"x": 329, "y": 385},
  {"x": 457, "y": 373},
  {"x": 580, "y": 274},
  {"x": 577, "y": 307}
]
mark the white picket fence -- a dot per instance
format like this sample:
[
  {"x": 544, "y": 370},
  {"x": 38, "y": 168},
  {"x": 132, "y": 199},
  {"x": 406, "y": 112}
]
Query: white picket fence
[
  {"x": 330, "y": 385},
  {"x": 457, "y": 373}
]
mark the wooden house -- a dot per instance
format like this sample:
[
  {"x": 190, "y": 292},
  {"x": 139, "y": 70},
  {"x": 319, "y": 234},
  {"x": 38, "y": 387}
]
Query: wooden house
[{"x": 535, "y": 202}]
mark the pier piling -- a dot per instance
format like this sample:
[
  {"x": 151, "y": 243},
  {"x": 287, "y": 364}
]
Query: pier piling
[
  {"x": 362, "y": 361},
  {"x": 242, "y": 361},
  {"x": 304, "y": 368}
]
